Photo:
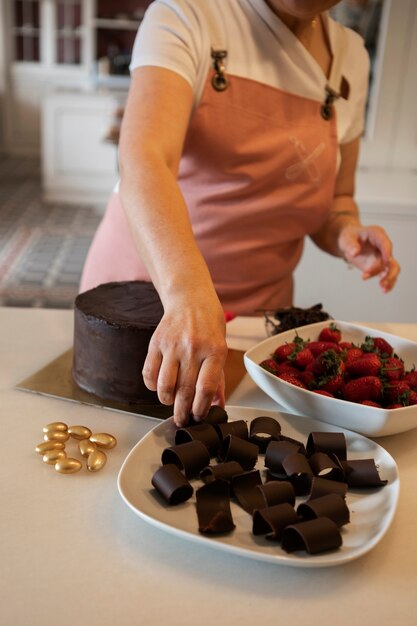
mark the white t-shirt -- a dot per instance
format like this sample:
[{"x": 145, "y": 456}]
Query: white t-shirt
[{"x": 179, "y": 34}]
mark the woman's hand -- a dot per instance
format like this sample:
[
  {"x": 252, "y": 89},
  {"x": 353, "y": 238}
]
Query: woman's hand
[
  {"x": 370, "y": 250},
  {"x": 186, "y": 357}
]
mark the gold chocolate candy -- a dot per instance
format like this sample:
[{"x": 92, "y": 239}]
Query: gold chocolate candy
[
  {"x": 52, "y": 456},
  {"x": 96, "y": 460},
  {"x": 79, "y": 432},
  {"x": 56, "y": 435},
  {"x": 46, "y": 446},
  {"x": 86, "y": 447},
  {"x": 53, "y": 426},
  {"x": 104, "y": 440},
  {"x": 68, "y": 466}
]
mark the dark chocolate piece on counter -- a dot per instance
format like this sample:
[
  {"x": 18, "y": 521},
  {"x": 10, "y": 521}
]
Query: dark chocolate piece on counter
[
  {"x": 326, "y": 466},
  {"x": 171, "y": 483},
  {"x": 206, "y": 433},
  {"x": 244, "y": 452},
  {"x": 361, "y": 473},
  {"x": 272, "y": 520},
  {"x": 314, "y": 536},
  {"x": 223, "y": 471},
  {"x": 216, "y": 415},
  {"x": 329, "y": 443},
  {"x": 332, "y": 506},
  {"x": 322, "y": 487},
  {"x": 246, "y": 492},
  {"x": 213, "y": 508},
  {"x": 276, "y": 492},
  {"x": 276, "y": 453},
  {"x": 299, "y": 472},
  {"x": 192, "y": 457},
  {"x": 299, "y": 444},
  {"x": 239, "y": 428},
  {"x": 263, "y": 430}
]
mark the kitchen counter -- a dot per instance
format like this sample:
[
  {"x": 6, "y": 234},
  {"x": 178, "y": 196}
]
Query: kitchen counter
[{"x": 72, "y": 552}]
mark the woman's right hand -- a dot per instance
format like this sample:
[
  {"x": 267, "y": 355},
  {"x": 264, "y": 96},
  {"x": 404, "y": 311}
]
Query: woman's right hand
[{"x": 186, "y": 356}]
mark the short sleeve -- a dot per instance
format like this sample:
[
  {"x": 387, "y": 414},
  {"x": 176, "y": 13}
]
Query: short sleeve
[
  {"x": 359, "y": 86},
  {"x": 170, "y": 37}
]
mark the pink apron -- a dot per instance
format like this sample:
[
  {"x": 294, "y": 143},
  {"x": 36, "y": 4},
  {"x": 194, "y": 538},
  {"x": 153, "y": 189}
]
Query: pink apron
[{"x": 257, "y": 174}]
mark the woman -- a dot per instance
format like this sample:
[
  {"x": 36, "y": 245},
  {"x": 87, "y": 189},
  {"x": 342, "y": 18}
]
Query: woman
[{"x": 240, "y": 136}]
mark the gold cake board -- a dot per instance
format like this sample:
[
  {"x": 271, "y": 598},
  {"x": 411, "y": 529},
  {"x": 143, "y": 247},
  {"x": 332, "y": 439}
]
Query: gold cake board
[{"x": 55, "y": 380}]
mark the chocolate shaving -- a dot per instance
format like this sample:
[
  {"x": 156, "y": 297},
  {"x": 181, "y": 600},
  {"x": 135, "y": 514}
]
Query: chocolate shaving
[
  {"x": 272, "y": 520},
  {"x": 238, "y": 429},
  {"x": 332, "y": 506},
  {"x": 316, "y": 535},
  {"x": 299, "y": 472},
  {"x": 236, "y": 449},
  {"x": 221, "y": 471},
  {"x": 206, "y": 433},
  {"x": 245, "y": 489},
  {"x": 263, "y": 430},
  {"x": 362, "y": 473},
  {"x": 329, "y": 443},
  {"x": 192, "y": 457},
  {"x": 326, "y": 466},
  {"x": 277, "y": 492},
  {"x": 322, "y": 487},
  {"x": 276, "y": 453},
  {"x": 299, "y": 444},
  {"x": 169, "y": 481},
  {"x": 213, "y": 508}
]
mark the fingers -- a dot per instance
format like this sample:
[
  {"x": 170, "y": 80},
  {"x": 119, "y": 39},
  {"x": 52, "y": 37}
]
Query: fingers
[{"x": 390, "y": 275}]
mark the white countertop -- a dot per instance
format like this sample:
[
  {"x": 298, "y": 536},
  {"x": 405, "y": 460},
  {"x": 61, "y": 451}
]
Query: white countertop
[{"x": 71, "y": 552}]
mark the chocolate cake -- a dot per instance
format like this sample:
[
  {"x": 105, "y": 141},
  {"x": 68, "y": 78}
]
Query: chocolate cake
[{"x": 113, "y": 324}]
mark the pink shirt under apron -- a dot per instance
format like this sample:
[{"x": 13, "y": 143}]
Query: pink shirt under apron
[{"x": 257, "y": 174}]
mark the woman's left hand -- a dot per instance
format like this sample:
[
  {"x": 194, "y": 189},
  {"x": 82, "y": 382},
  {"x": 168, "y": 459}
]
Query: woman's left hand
[{"x": 370, "y": 250}]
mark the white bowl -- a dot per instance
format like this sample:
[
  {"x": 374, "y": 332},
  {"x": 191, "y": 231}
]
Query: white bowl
[{"x": 368, "y": 420}]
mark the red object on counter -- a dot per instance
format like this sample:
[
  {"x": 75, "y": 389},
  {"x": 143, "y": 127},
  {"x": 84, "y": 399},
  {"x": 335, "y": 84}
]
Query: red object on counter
[{"x": 229, "y": 316}]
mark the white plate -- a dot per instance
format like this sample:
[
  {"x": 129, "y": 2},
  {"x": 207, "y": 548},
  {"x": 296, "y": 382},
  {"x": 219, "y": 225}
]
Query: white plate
[
  {"x": 368, "y": 420},
  {"x": 371, "y": 510}
]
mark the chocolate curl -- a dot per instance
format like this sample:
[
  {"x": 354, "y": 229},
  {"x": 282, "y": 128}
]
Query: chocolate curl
[
  {"x": 362, "y": 473},
  {"x": 213, "y": 508},
  {"x": 326, "y": 467},
  {"x": 192, "y": 457},
  {"x": 236, "y": 449},
  {"x": 206, "y": 433},
  {"x": 314, "y": 536},
  {"x": 221, "y": 471},
  {"x": 299, "y": 471},
  {"x": 245, "y": 489},
  {"x": 277, "y": 492},
  {"x": 322, "y": 487},
  {"x": 332, "y": 506},
  {"x": 276, "y": 453},
  {"x": 272, "y": 520},
  {"x": 299, "y": 444},
  {"x": 263, "y": 430},
  {"x": 238, "y": 429},
  {"x": 172, "y": 484},
  {"x": 329, "y": 443},
  {"x": 216, "y": 415}
]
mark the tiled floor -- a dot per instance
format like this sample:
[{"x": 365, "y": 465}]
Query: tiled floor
[{"x": 42, "y": 246}]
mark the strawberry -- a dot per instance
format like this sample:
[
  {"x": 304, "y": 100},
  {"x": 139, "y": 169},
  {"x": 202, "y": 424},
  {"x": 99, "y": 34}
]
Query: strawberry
[
  {"x": 364, "y": 388},
  {"x": 321, "y": 392},
  {"x": 283, "y": 352},
  {"x": 270, "y": 365},
  {"x": 393, "y": 368},
  {"x": 372, "y": 403},
  {"x": 286, "y": 367},
  {"x": 290, "y": 378},
  {"x": 317, "y": 347},
  {"x": 352, "y": 354},
  {"x": 333, "y": 385},
  {"x": 366, "y": 365},
  {"x": 379, "y": 345},
  {"x": 411, "y": 378},
  {"x": 346, "y": 345},
  {"x": 328, "y": 363},
  {"x": 307, "y": 377},
  {"x": 412, "y": 397},
  {"x": 396, "y": 392},
  {"x": 332, "y": 333},
  {"x": 394, "y": 406},
  {"x": 301, "y": 358}
]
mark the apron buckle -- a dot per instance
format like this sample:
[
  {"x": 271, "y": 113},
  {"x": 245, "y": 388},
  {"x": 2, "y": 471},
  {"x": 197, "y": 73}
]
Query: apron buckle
[{"x": 219, "y": 79}]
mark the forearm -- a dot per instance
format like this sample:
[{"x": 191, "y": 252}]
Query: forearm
[{"x": 344, "y": 214}]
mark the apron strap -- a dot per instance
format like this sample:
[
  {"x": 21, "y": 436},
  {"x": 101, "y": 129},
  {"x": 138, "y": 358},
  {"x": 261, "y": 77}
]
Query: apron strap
[{"x": 337, "y": 85}]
